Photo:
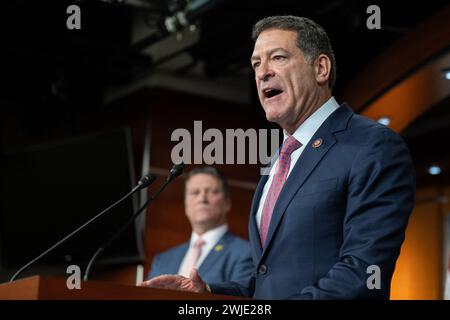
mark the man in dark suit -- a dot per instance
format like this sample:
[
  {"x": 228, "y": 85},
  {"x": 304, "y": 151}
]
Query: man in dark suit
[
  {"x": 329, "y": 220},
  {"x": 218, "y": 255}
]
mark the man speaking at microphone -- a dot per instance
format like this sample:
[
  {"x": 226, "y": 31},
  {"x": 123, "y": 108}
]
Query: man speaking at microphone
[{"x": 331, "y": 215}]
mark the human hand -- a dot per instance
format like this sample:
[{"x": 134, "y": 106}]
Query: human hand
[{"x": 176, "y": 282}]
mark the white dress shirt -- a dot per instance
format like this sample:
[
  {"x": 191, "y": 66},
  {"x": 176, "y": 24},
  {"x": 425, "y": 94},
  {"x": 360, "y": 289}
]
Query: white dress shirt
[
  {"x": 211, "y": 238},
  {"x": 303, "y": 134}
]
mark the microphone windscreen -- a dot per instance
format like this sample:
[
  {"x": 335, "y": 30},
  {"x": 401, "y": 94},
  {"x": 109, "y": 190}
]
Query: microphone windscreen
[
  {"x": 147, "y": 180},
  {"x": 176, "y": 170}
]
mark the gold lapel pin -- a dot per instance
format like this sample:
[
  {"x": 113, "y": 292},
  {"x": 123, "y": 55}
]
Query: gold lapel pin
[
  {"x": 317, "y": 143},
  {"x": 218, "y": 247}
]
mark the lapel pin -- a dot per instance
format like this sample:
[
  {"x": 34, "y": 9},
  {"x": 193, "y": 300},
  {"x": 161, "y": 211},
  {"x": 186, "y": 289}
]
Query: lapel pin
[
  {"x": 317, "y": 143},
  {"x": 218, "y": 248}
]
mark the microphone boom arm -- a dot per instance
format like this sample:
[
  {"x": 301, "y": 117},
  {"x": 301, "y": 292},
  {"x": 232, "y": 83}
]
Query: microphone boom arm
[
  {"x": 176, "y": 170},
  {"x": 56, "y": 245},
  {"x": 144, "y": 182}
]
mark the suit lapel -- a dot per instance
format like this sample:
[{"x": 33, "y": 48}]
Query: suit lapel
[
  {"x": 178, "y": 255},
  {"x": 252, "y": 226},
  {"x": 308, "y": 160},
  {"x": 216, "y": 252}
]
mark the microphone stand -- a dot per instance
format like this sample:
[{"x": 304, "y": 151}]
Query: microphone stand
[
  {"x": 144, "y": 182},
  {"x": 123, "y": 228}
]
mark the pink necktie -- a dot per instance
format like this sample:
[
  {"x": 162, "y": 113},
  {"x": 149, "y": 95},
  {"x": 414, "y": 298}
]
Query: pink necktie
[
  {"x": 193, "y": 257},
  {"x": 284, "y": 162}
]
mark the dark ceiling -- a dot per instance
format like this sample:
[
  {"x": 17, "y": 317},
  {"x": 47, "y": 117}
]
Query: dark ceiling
[{"x": 38, "y": 49}]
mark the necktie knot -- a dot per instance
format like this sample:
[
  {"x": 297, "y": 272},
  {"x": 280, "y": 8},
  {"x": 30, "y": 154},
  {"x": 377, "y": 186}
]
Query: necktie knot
[
  {"x": 199, "y": 243},
  {"x": 290, "y": 145}
]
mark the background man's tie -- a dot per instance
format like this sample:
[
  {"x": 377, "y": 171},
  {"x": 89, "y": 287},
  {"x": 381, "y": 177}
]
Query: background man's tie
[
  {"x": 193, "y": 257},
  {"x": 284, "y": 162}
]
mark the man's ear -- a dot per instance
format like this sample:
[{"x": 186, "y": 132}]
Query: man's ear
[{"x": 322, "y": 68}]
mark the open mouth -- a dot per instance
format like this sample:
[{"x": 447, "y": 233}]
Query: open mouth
[{"x": 270, "y": 93}]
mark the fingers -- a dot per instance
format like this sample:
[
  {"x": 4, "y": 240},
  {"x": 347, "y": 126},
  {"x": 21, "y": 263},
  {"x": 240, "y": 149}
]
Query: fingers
[
  {"x": 163, "y": 282},
  {"x": 194, "y": 275},
  {"x": 154, "y": 282},
  {"x": 143, "y": 284},
  {"x": 146, "y": 283},
  {"x": 198, "y": 285},
  {"x": 176, "y": 282}
]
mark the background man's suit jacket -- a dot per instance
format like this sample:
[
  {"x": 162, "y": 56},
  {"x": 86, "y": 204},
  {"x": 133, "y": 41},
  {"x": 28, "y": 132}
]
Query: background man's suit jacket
[
  {"x": 344, "y": 207},
  {"x": 229, "y": 259}
]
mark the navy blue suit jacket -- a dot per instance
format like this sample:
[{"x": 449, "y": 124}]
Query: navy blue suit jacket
[
  {"x": 229, "y": 259},
  {"x": 344, "y": 207}
]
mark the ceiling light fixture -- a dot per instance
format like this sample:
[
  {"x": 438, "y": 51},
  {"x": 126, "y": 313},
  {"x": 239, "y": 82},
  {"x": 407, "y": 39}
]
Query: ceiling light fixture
[
  {"x": 434, "y": 170},
  {"x": 446, "y": 73},
  {"x": 384, "y": 121}
]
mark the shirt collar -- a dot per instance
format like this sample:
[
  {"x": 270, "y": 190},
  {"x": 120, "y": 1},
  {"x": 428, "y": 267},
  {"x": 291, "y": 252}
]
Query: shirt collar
[
  {"x": 211, "y": 236},
  {"x": 308, "y": 128}
]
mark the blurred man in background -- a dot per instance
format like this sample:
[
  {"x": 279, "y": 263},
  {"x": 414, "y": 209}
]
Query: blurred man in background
[{"x": 217, "y": 254}]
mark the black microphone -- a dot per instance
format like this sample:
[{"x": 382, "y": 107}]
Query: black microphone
[
  {"x": 176, "y": 170},
  {"x": 144, "y": 182}
]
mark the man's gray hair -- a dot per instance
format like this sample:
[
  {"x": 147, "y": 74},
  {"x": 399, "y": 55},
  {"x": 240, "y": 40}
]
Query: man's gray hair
[{"x": 311, "y": 38}]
